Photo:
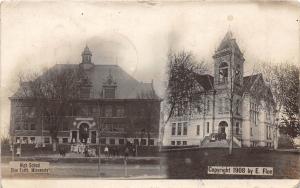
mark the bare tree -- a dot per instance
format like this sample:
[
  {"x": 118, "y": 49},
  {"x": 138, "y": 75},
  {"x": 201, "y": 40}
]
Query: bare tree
[
  {"x": 52, "y": 93},
  {"x": 283, "y": 80},
  {"x": 181, "y": 95}
]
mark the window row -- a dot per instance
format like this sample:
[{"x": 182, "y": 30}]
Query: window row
[
  {"x": 199, "y": 127},
  {"x": 109, "y": 127},
  {"x": 107, "y": 111},
  {"x": 203, "y": 107},
  {"x": 179, "y": 128},
  {"x": 116, "y": 141},
  {"x": 178, "y": 143},
  {"x": 25, "y": 126},
  {"x": 31, "y": 140},
  {"x": 24, "y": 111}
]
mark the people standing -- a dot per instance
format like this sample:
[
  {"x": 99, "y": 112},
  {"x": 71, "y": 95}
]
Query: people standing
[
  {"x": 106, "y": 151},
  {"x": 126, "y": 153}
]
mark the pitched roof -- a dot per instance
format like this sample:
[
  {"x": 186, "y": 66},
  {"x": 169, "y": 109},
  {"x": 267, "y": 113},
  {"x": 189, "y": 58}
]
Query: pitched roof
[
  {"x": 256, "y": 86},
  {"x": 248, "y": 82},
  {"x": 127, "y": 86},
  {"x": 229, "y": 42},
  {"x": 205, "y": 80}
]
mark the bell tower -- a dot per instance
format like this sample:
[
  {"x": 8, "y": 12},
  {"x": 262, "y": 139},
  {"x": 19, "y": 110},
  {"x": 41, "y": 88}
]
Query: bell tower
[{"x": 228, "y": 64}]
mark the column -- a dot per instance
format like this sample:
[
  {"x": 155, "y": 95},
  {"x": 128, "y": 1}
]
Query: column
[
  {"x": 77, "y": 139},
  {"x": 246, "y": 124}
]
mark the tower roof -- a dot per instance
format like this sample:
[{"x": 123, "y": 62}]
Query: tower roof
[
  {"x": 229, "y": 42},
  {"x": 86, "y": 51}
]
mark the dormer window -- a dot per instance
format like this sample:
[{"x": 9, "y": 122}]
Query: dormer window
[
  {"x": 223, "y": 73},
  {"x": 109, "y": 87},
  {"x": 85, "y": 87},
  {"x": 109, "y": 92}
]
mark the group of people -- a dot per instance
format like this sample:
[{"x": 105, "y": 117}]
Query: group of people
[
  {"x": 113, "y": 151},
  {"x": 83, "y": 149}
]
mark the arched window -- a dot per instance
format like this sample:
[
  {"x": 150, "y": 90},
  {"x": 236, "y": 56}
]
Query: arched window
[{"x": 223, "y": 72}]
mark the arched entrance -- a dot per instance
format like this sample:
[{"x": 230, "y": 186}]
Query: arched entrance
[
  {"x": 83, "y": 132},
  {"x": 222, "y": 130}
]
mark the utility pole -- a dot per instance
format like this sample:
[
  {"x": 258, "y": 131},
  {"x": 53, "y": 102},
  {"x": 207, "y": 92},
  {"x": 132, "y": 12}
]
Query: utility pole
[
  {"x": 231, "y": 102},
  {"x": 99, "y": 152}
]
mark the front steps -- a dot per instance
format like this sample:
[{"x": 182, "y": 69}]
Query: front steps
[{"x": 209, "y": 142}]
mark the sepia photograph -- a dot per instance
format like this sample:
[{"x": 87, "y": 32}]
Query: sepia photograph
[{"x": 150, "y": 90}]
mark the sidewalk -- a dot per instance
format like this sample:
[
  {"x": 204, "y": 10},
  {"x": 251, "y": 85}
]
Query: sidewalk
[
  {"x": 79, "y": 158},
  {"x": 89, "y": 170},
  {"x": 297, "y": 151}
]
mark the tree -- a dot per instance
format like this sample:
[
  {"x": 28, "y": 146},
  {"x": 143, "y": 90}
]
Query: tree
[
  {"x": 181, "y": 95},
  {"x": 52, "y": 93},
  {"x": 284, "y": 82}
]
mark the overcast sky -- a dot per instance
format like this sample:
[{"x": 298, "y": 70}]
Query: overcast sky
[{"x": 138, "y": 36}]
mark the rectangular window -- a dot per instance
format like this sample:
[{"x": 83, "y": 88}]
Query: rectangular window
[
  {"x": 18, "y": 139},
  {"x": 207, "y": 127},
  {"x": 18, "y": 126},
  {"x": 108, "y": 111},
  {"x": 65, "y": 140},
  {"x": 173, "y": 143},
  {"x": 184, "y": 143},
  {"x": 178, "y": 143},
  {"x": 220, "y": 106},
  {"x": 198, "y": 129},
  {"x": 46, "y": 140},
  {"x": 237, "y": 128},
  {"x": 94, "y": 135},
  {"x": 251, "y": 131},
  {"x": 112, "y": 141},
  {"x": 179, "y": 129},
  {"x": 32, "y": 126},
  {"x": 227, "y": 105},
  {"x": 173, "y": 128},
  {"x": 120, "y": 111},
  {"x": 25, "y": 126},
  {"x": 199, "y": 108},
  {"x": 108, "y": 127},
  {"x": 121, "y": 141},
  {"x": 208, "y": 105},
  {"x": 185, "y": 128},
  {"x": 118, "y": 127},
  {"x": 109, "y": 93},
  {"x": 143, "y": 142},
  {"x": 237, "y": 107},
  {"x": 136, "y": 141},
  {"x": 151, "y": 142}
]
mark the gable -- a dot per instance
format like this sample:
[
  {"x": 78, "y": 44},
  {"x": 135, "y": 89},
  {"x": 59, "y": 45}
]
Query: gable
[{"x": 257, "y": 88}]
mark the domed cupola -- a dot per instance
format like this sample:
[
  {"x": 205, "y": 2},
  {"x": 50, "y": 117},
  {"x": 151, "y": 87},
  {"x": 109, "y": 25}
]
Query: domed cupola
[{"x": 86, "y": 61}]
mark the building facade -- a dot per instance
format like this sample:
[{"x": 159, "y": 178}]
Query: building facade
[
  {"x": 230, "y": 104},
  {"x": 112, "y": 108}
]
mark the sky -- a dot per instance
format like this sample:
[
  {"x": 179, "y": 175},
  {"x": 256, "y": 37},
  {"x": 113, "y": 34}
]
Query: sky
[{"x": 138, "y": 36}]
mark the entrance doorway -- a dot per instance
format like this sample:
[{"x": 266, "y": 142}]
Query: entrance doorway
[
  {"x": 222, "y": 130},
  {"x": 74, "y": 136},
  {"x": 83, "y": 132}
]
